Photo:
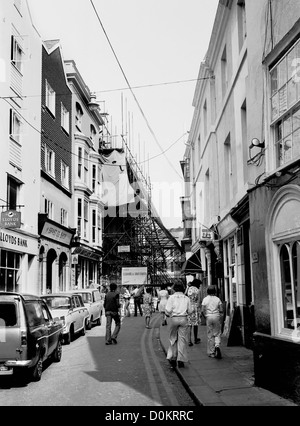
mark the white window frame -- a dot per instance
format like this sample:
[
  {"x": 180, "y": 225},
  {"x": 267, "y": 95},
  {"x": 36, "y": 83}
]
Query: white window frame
[
  {"x": 17, "y": 58},
  {"x": 65, "y": 118},
  {"x": 64, "y": 217},
  {"x": 49, "y": 161},
  {"x": 278, "y": 234},
  {"x": 49, "y": 208},
  {"x": 50, "y": 98},
  {"x": 80, "y": 163},
  {"x": 65, "y": 174},
  {"x": 15, "y": 127},
  {"x": 284, "y": 94}
]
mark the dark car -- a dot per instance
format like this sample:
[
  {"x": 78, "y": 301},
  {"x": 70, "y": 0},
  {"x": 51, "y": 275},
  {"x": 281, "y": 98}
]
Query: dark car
[{"x": 28, "y": 335}]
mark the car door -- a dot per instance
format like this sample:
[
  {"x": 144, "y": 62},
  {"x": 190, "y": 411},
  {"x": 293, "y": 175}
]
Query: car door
[
  {"x": 53, "y": 328},
  {"x": 76, "y": 317},
  {"x": 83, "y": 311},
  {"x": 97, "y": 303}
]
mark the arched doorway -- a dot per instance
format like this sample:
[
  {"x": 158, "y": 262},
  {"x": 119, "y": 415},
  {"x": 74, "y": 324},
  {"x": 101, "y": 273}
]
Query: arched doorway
[
  {"x": 62, "y": 272},
  {"x": 51, "y": 256}
]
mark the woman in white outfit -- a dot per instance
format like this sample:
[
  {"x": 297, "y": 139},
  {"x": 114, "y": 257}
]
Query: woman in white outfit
[
  {"x": 212, "y": 309},
  {"x": 163, "y": 296}
]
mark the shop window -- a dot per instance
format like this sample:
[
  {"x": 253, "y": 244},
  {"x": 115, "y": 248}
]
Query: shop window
[
  {"x": 285, "y": 104},
  {"x": 290, "y": 270},
  {"x": 9, "y": 271},
  {"x": 283, "y": 251}
]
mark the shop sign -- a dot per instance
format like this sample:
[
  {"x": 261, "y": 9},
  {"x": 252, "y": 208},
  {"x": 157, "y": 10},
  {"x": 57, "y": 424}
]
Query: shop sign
[
  {"x": 123, "y": 249},
  {"x": 55, "y": 233},
  {"x": 206, "y": 234},
  {"x": 75, "y": 260},
  {"x": 11, "y": 219},
  {"x": 134, "y": 276},
  {"x": 18, "y": 242}
]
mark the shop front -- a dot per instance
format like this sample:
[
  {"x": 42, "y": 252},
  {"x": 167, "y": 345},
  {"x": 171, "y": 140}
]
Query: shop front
[
  {"x": 54, "y": 256},
  {"x": 86, "y": 266},
  {"x": 18, "y": 268}
]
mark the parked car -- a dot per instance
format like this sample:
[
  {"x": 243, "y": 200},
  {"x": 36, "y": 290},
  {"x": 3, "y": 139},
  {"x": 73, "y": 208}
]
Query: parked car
[
  {"x": 28, "y": 335},
  {"x": 92, "y": 300},
  {"x": 71, "y": 310}
]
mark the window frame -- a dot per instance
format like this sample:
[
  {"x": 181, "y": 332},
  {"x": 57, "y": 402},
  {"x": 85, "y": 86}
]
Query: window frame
[
  {"x": 50, "y": 98},
  {"x": 15, "y": 123},
  {"x": 282, "y": 77},
  {"x": 17, "y": 53},
  {"x": 65, "y": 118},
  {"x": 50, "y": 161},
  {"x": 65, "y": 175}
]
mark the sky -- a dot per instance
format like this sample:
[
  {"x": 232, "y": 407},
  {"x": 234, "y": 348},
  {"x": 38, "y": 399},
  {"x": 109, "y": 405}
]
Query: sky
[{"x": 156, "y": 48}]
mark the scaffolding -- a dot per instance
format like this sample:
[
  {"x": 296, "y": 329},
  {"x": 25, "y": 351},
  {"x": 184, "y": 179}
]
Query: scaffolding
[{"x": 134, "y": 236}]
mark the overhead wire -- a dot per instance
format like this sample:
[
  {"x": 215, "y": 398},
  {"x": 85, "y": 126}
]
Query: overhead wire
[
  {"x": 42, "y": 133},
  {"x": 131, "y": 90}
]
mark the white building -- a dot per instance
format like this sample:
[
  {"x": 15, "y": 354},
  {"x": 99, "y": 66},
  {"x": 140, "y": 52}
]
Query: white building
[{"x": 20, "y": 106}]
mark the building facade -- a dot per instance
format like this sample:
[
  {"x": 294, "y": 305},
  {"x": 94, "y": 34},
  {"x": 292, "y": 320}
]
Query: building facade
[
  {"x": 243, "y": 159},
  {"x": 20, "y": 163},
  {"x": 87, "y": 132},
  {"x": 56, "y": 212}
]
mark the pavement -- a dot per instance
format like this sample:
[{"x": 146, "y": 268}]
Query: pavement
[{"x": 222, "y": 382}]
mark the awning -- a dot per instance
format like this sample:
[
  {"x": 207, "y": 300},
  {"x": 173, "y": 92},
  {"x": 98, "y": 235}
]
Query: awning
[{"x": 192, "y": 265}]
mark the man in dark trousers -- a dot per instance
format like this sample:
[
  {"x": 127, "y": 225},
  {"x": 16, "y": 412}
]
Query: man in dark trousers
[{"x": 112, "y": 312}]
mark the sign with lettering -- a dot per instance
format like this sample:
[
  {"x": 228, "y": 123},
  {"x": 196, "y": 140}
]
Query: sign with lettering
[
  {"x": 134, "y": 276},
  {"x": 18, "y": 242},
  {"x": 11, "y": 219},
  {"x": 55, "y": 233},
  {"x": 206, "y": 234},
  {"x": 123, "y": 249}
]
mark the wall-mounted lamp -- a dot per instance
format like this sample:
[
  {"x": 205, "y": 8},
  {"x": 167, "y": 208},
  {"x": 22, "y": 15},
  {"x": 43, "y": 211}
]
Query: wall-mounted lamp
[{"x": 256, "y": 143}]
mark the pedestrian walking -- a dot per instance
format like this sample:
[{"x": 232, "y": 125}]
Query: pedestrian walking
[
  {"x": 193, "y": 292},
  {"x": 112, "y": 312},
  {"x": 138, "y": 299},
  {"x": 212, "y": 309},
  {"x": 127, "y": 297},
  {"x": 163, "y": 296},
  {"x": 147, "y": 306},
  {"x": 177, "y": 308}
]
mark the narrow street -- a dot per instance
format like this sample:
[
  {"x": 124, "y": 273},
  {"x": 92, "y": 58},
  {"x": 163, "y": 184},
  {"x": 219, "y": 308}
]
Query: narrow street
[{"x": 134, "y": 372}]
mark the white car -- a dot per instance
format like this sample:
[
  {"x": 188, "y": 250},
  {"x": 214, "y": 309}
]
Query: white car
[
  {"x": 70, "y": 308},
  {"x": 94, "y": 303}
]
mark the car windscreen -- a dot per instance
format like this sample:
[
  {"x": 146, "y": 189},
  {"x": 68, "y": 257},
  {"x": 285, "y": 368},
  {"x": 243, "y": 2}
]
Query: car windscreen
[
  {"x": 8, "y": 314},
  {"x": 86, "y": 297},
  {"x": 58, "y": 302}
]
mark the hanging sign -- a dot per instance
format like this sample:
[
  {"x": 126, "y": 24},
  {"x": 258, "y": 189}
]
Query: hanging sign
[
  {"x": 11, "y": 219},
  {"x": 206, "y": 234}
]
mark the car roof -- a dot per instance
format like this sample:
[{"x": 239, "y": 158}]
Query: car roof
[
  {"x": 84, "y": 290},
  {"x": 58, "y": 295},
  {"x": 25, "y": 296}
]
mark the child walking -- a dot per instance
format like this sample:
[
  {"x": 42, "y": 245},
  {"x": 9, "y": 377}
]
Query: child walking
[{"x": 148, "y": 306}]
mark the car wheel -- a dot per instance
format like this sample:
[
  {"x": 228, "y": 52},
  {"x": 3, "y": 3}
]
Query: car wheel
[
  {"x": 67, "y": 338},
  {"x": 37, "y": 370},
  {"x": 58, "y": 352},
  {"x": 89, "y": 324}
]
